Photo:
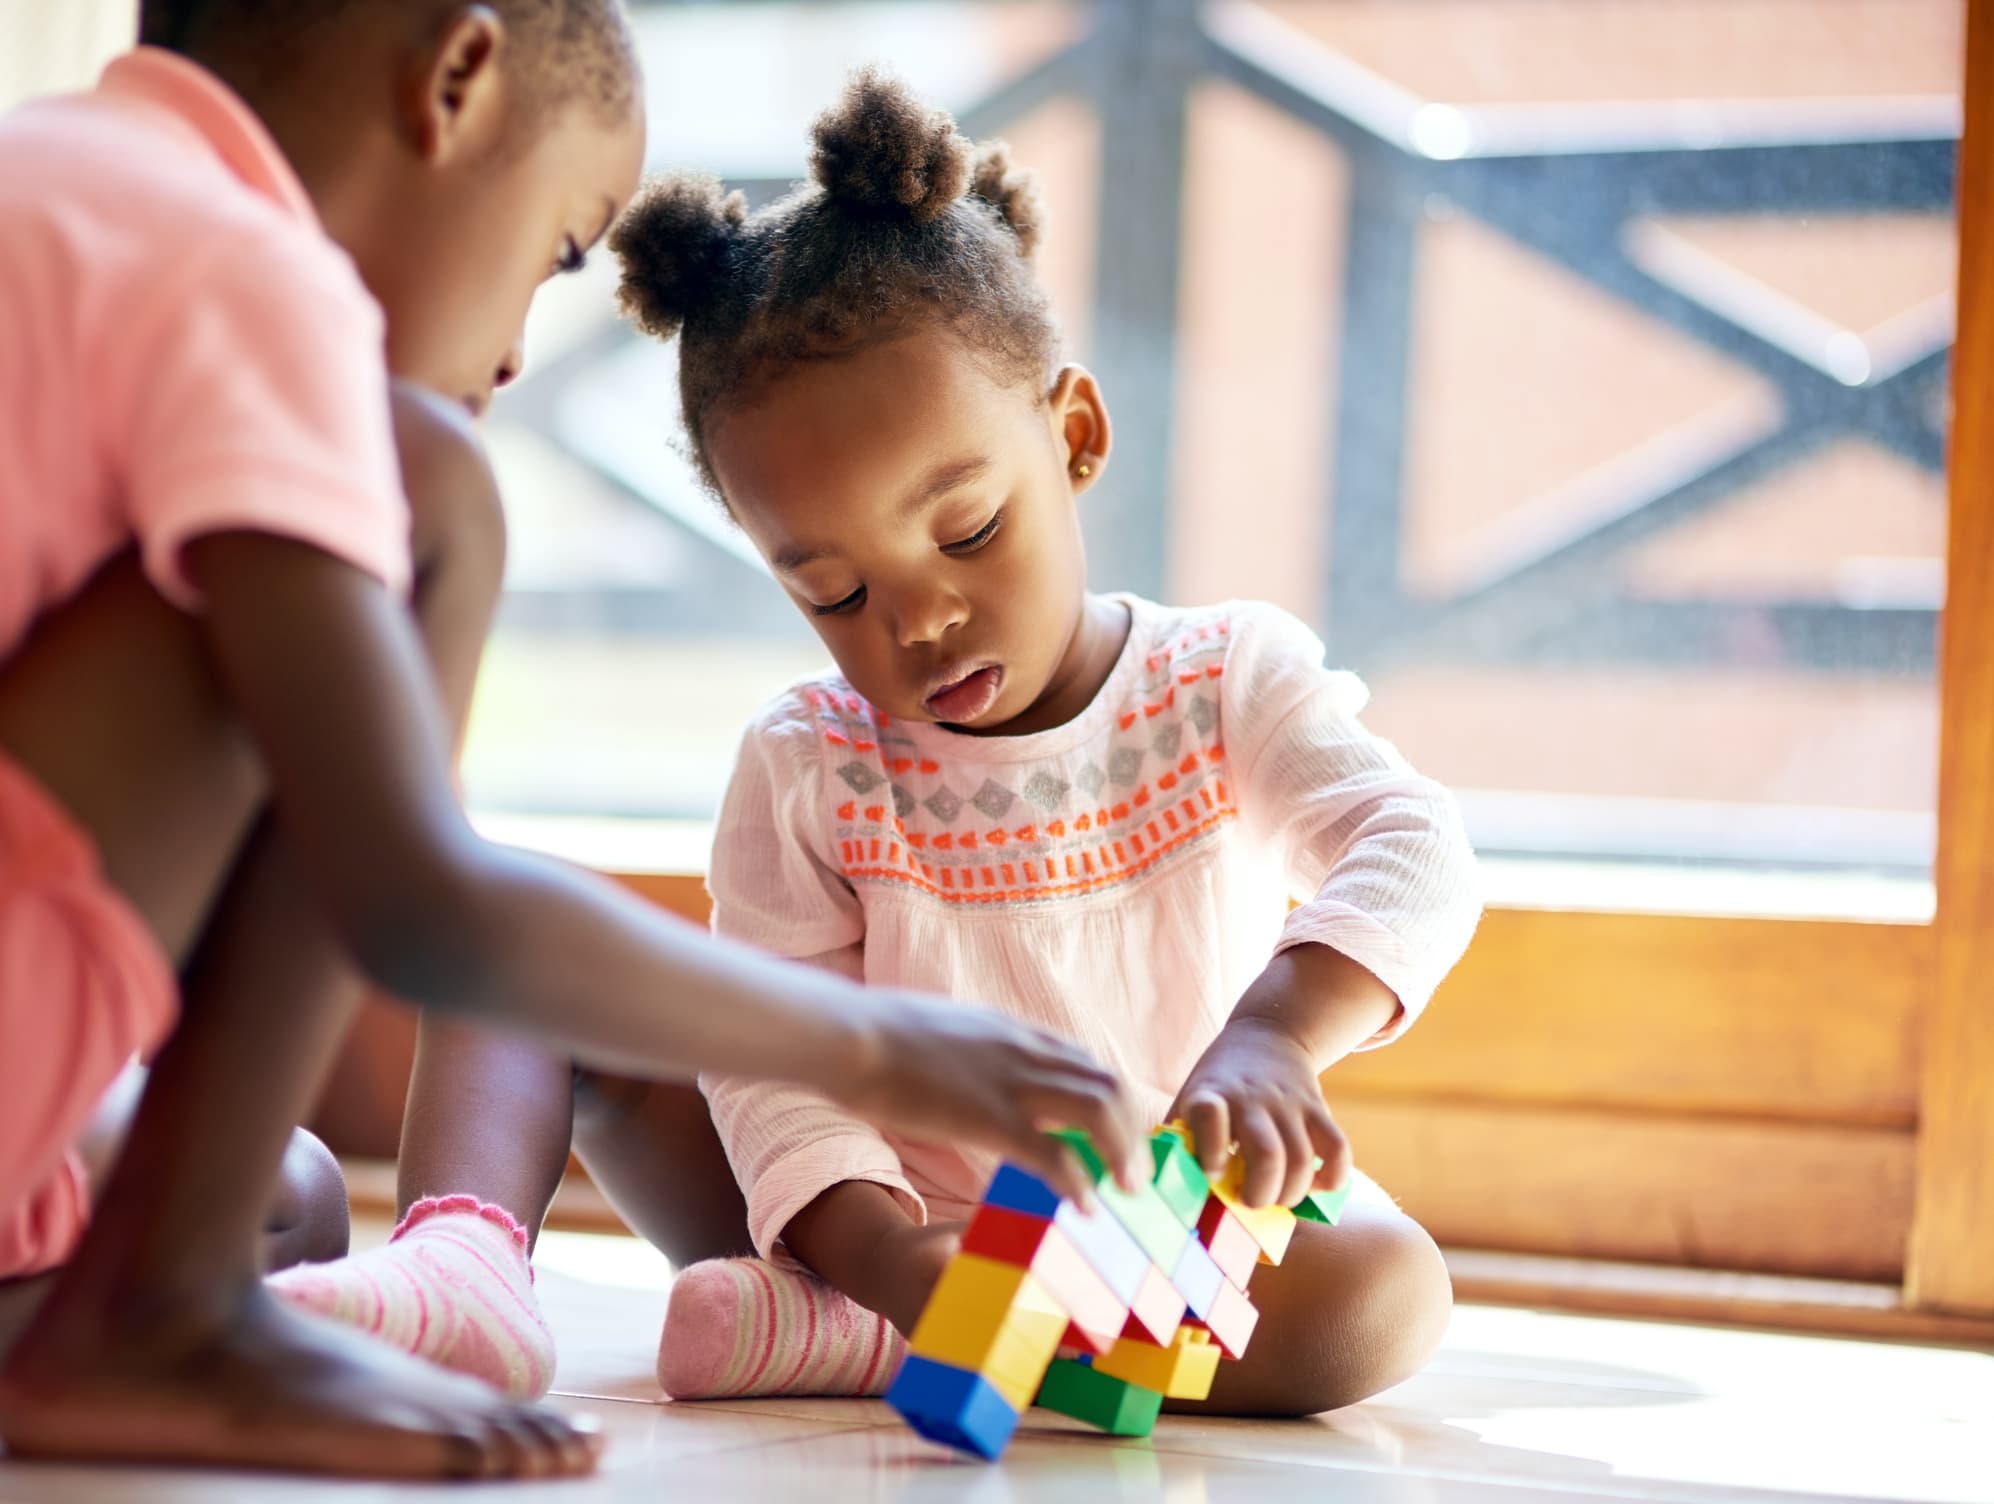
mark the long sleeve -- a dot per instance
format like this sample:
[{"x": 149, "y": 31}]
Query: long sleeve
[
  {"x": 1376, "y": 853},
  {"x": 774, "y": 888}
]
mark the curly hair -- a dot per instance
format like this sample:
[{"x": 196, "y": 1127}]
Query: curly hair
[
  {"x": 904, "y": 221},
  {"x": 564, "y": 49}
]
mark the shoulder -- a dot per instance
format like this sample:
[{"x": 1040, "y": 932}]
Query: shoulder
[{"x": 813, "y": 718}]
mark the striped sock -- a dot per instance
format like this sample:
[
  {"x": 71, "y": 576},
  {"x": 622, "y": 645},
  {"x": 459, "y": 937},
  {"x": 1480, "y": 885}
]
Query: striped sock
[
  {"x": 452, "y": 1285},
  {"x": 743, "y": 1327}
]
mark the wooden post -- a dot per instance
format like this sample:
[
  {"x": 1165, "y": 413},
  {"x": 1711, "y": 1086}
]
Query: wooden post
[{"x": 1950, "y": 1265}]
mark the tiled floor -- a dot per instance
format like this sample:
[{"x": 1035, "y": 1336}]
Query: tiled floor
[{"x": 1517, "y": 1407}]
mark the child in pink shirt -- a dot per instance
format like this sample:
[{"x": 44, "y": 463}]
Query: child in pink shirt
[
  {"x": 1090, "y": 809},
  {"x": 244, "y": 584}
]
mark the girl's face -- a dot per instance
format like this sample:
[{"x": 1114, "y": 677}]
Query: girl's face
[{"x": 922, "y": 515}]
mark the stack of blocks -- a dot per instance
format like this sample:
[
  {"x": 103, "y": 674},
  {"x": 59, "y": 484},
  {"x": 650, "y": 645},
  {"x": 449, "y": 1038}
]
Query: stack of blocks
[{"x": 1101, "y": 1316}]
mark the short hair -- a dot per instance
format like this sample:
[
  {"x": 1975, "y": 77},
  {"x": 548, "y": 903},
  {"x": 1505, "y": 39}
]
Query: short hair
[
  {"x": 570, "y": 49},
  {"x": 904, "y": 221}
]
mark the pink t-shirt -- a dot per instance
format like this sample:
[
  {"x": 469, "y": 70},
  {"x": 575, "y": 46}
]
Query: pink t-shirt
[
  {"x": 1118, "y": 880},
  {"x": 182, "y": 349}
]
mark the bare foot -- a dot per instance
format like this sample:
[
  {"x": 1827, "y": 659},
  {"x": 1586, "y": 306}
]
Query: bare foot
[{"x": 265, "y": 1387}]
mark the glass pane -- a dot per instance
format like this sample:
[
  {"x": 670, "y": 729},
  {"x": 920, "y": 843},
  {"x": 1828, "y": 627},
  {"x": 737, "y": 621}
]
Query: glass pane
[{"x": 1577, "y": 367}]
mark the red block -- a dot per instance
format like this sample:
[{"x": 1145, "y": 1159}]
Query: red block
[
  {"x": 1226, "y": 1239},
  {"x": 1232, "y": 1320},
  {"x": 1158, "y": 1310},
  {"x": 1010, "y": 1237}
]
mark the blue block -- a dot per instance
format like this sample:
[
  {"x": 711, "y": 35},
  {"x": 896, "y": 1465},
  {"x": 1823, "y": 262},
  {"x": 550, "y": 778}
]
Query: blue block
[
  {"x": 1197, "y": 1279},
  {"x": 952, "y": 1406},
  {"x": 1021, "y": 1191},
  {"x": 1107, "y": 1245}
]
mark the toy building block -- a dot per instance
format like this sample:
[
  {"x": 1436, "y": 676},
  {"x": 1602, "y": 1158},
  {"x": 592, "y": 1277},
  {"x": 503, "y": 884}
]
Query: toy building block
[
  {"x": 1183, "y": 1370},
  {"x": 1228, "y": 1242},
  {"x": 991, "y": 1319},
  {"x": 1231, "y": 1319},
  {"x": 1105, "y": 1244},
  {"x": 1147, "y": 1216},
  {"x": 1178, "y": 1180},
  {"x": 1198, "y": 1278},
  {"x": 1323, "y": 1206},
  {"x": 1156, "y": 1310},
  {"x": 1021, "y": 1191},
  {"x": 1095, "y": 1313},
  {"x": 1271, "y": 1226},
  {"x": 953, "y": 1406},
  {"x": 1101, "y": 1400}
]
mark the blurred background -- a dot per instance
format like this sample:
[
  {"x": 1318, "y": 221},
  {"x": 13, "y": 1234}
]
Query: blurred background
[{"x": 1576, "y": 367}]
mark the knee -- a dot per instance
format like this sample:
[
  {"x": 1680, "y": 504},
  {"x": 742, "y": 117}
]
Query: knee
[
  {"x": 1385, "y": 1299},
  {"x": 309, "y": 1223},
  {"x": 457, "y": 520}
]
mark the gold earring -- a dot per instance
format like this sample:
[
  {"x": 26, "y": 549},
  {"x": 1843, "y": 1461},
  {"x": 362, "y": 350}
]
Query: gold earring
[{"x": 1083, "y": 471}]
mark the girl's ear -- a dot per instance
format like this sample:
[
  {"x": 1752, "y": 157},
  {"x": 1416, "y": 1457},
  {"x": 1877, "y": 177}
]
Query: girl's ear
[
  {"x": 1080, "y": 425},
  {"x": 453, "y": 101}
]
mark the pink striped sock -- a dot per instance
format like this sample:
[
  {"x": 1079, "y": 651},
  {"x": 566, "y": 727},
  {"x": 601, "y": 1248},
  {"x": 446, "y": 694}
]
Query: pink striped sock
[
  {"x": 743, "y": 1327},
  {"x": 452, "y": 1285}
]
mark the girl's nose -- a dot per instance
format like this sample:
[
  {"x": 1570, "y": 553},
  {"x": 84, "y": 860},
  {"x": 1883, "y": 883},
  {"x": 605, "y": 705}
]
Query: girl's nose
[
  {"x": 924, "y": 615},
  {"x": 511, "y": 364}
]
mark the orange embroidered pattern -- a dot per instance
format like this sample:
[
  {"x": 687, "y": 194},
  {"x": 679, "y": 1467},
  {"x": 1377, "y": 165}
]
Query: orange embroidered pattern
[{"x": 1095, "y": 818}]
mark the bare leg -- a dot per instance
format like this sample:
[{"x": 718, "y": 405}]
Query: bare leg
[
  {"x": 652, "y": 1148},
  {"x": 158, "y": 1342},
  {"x": 1352, "y": 1310}
]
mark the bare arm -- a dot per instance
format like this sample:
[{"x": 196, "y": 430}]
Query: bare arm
[{"x": 324, "y": 666}]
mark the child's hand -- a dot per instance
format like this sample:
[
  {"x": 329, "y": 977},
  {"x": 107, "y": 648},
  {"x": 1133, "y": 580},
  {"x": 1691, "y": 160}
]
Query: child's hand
[
  {"x": 940, "y": 1071},
  {"x": 1257, "y": 1085}
]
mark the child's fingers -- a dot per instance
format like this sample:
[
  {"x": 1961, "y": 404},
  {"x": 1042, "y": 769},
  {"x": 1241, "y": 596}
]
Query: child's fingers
[
  {"x": 1057, "y": 1165},
  {"x": 1102, "y": 1109},
  {"x": 1210, "y": 1122},
  {"x": 1299, "y": 1156},
  {"x": 1266, "y": 1158},
  {"x": 1331, "y": 1147}
]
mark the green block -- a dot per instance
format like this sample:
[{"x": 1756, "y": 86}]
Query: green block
[
  {"x": 1107, "y": 1404},
  {"x": 1179, "y": 1180},
  {"x": 1097, "y": 1167},
  {"x": 1323, "y": 1206},
  {"x": 1150, "y": 1221}
]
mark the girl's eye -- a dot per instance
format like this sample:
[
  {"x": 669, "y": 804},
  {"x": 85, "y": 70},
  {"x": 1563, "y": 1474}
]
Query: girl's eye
[
  {"x": 844, "y": 607},
  {"x": 977, "y": 539},
  {"x": 573, "y": 257}
]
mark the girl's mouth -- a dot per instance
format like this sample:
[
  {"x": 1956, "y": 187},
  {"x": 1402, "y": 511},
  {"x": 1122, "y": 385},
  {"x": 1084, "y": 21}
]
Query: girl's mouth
[{"x": 965, "y": 699}]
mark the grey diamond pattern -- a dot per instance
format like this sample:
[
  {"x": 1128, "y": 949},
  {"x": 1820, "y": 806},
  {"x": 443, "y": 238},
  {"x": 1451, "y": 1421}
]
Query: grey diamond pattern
[
  {"x": 1125, "y": 766},
  {"x": 1168, "y": 740},
  {"x": 993, "y": 799},
  {"x": 1204, "y": 714},
  {"x": 1046, "y": 791},
  {"x": 903, "y": 802},
  {"x": 943, "y": 805},
  {"x": 862, "y": 778},
  {"x": 1089, "y": 779}
]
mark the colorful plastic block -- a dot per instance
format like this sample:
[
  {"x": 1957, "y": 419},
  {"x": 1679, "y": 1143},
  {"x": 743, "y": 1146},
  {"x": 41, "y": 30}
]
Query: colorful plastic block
[
  {"x": 952, "y": 1406},
  {"x": 1323, "y": 1206},
  {"x": 1228, "y": 1242},
  {"x": 1096, "y": 1314},
  {"x": 1106, "y": 1244},
  {"x": 1183, "y": 1370},
  {"x": 1197, "y": 1278},
  {"x": 1009, "y": 1237},
  {"x": 1021, "y": 1191},
  {"x": 1271, "y": 1226},
  {"x": 1145, "y": 1214},
  {"x": 993, "y": 1319},
  {"x": 1156, "y": 1310},
  {"x": 1231, "y": 1320},
  {"x": 1101, "y": 1400},
  {"x": 1181, "y": 1184}
]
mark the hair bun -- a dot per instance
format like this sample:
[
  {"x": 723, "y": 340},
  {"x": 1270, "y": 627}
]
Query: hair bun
[
  {"x": 880, "y": 148},
  {"x": 1011, "y": 192},
  {"x": 673, "y": 243}
]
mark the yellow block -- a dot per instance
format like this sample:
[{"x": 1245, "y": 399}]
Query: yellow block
[
  {"x": 1270, "y": 1226},
  {"x": 1182, "y": 1371},
  {"x": 994, "y": 1319}
]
